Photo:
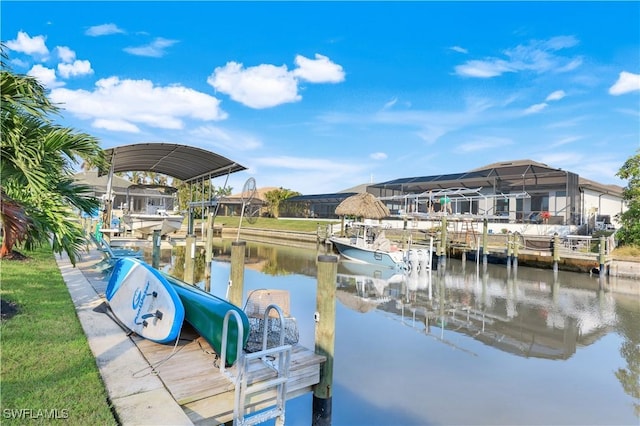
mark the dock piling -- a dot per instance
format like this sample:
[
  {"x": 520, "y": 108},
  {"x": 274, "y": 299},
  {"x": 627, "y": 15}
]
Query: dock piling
[
  {"x": 155, "y": 256},
  {"x": 556, "y": 251},
  {"x": 601, "y": 256},
  {"x": 236, "y": 280},
  {"x": 485, "y": 242},
  {"x": 325, "y": 318},
  {"x": 190, "y": 259},
  {"x": 509, "y": 249},
  {"x": 208, "y": 253}
]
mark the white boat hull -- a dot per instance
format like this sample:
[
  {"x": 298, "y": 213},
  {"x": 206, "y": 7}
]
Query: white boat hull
[{"x": 147, "y": 223}]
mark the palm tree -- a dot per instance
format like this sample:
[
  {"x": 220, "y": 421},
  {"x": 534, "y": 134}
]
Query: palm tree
[{"x": 36, "y": 159}]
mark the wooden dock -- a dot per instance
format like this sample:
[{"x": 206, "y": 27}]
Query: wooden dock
[{"x": 190, "y": 371}]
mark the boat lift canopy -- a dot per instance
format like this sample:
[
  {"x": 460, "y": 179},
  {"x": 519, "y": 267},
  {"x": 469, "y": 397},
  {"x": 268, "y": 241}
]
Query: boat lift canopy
[{"x": 187, "y": 163}]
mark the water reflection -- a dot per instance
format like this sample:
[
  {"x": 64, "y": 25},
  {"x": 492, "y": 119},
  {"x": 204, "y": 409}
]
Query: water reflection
[{"x": 531, "y": 314}]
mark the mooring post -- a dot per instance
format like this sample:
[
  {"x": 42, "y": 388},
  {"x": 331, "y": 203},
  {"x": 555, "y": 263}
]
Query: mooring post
[
  {"x": 556, "y": 251},
  {"x": 325, "y": 318},
  {"x": 208, "y": 253},
  {"x": 601, "y": 255},
  {"x": 464, "y": 258},
  {"x": 442, "y": 256},
  {"x": 236, "y": 280},
  {"x": 155, "y": 253},
  {"x": 190, "y": 259},
  {"x": 509, "y": 249},
  {"x": 485, "y": 232},
  {"x": 516, "y": 246}
]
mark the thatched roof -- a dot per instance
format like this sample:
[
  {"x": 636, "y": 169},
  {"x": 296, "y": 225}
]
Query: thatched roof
[
  {"x": 363, "y": 205},
  {"x": 355, "y": 302}
]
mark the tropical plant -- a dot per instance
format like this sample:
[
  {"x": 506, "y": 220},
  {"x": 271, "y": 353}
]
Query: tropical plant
[
  {"x": 37, "y": 159},
  {"x": 629, "y": 233},
  {"x": 199, "y": 191},
  {"x": 275, "y": 197}
]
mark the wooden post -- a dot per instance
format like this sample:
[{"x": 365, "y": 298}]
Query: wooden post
[
  {"x": 464, "y": 259},
  {"x": 516, "y": 246},
  {"x": 236, "y": 284},
  {"x": 155, "y": 256},
  {"x": 189, "y": 259},
  {"x": 208, "y": 253},
  {"x": 325, "y": 338},
  {"x": 601, "y": 255},
  {"x": 442, "y": 258},
  {"x": 556, "y": 251},
  {"x": 485, "y": 232},
  {"x": 509, "y": 249}
]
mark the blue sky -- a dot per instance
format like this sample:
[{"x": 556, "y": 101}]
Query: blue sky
[{"x": 318, "y": 97}]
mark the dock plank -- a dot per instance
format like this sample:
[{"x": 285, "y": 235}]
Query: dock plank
[{"x": 190, "y": 372}]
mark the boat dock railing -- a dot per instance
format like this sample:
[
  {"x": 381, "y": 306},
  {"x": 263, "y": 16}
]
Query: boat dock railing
[{"x": 268, "y": 356}]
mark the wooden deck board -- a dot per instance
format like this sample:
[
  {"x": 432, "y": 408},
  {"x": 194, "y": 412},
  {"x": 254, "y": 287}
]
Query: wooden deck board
[{"x": 190, "y": 372}]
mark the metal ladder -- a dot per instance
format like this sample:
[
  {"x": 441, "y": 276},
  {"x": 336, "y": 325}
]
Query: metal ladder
[{"x": 280, "y": 363}]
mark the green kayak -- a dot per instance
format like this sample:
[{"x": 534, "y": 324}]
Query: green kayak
[{"x": 206, "y": 312}]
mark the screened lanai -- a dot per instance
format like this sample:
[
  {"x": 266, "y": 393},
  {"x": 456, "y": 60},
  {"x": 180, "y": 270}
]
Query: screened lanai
[{"x": 520, "y": 190}]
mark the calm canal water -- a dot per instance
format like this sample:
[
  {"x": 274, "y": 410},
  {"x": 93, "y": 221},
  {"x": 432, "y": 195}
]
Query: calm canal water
[{"x": 460, "y": 348}]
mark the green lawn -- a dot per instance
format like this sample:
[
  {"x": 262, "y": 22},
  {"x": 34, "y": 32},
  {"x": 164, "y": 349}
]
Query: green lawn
[{"x": 48, "y": 372}]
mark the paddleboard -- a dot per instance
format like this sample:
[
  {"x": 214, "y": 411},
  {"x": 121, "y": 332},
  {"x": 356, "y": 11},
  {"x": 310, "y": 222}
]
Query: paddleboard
[
  {"x": 143, "y": 300},
  {"x": 206, "y": 312}
]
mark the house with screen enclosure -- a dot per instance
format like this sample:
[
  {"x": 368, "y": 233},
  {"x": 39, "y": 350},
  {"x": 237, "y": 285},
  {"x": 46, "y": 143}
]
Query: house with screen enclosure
[{"x": 520, "y": 191}]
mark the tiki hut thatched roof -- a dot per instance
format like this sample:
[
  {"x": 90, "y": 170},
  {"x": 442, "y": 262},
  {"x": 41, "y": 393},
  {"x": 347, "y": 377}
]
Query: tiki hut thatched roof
[
  {"x": 355, "y": 302},
  {"x": 363, "y": 205}
]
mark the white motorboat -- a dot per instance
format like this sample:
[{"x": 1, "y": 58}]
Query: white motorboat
[
  {"x": 146, "y": 223},
  {"x": 368, "y": 243},
  {"x": 155, "y": 215}
]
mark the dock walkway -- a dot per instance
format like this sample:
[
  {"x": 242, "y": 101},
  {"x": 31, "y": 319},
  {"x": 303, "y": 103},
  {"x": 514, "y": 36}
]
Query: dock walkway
[{"x": 155, "y": 384}]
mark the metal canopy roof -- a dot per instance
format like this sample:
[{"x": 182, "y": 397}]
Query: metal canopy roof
[
  {"x": 183, "y": 162},
  {"x": 505, "y": 177}
]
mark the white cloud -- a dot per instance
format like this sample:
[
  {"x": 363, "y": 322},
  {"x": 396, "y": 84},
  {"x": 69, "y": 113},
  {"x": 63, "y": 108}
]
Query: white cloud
[
  {"x": 19, "y": 63},
  {"x": 115, "y": 125},
  {"x": 535, "y": 108},
  {"x": 308, "y": 175},
  {"x": 390, "y": 104},
  {"x": 65, "y": 54},
  {"x": 537, "y": 56},
  {"x": 556, "y": 96},
  {"x": 155, "y": 49},
  {"x": 122, "y": 104},
  {"x": 266, "y": 85},
  {"x": 46, "y": 76},
  {"x": 378, "y": 156},
  {"x": 459, "y": 49},
  {"x": 301, "y": 163},
  {"x": 318, "y": 70},
  {"x": 565, "y": 141},
  {"x": 77, "y": 68},
  {"x": 262, "y": 86},
  {"x": 104, "y": 29},
  {"x": 28, "y": 45},
  {"x": 483, "y": 69},
  {"x": 627, "y": 82},
  {"x": 225, "y": 139},
  {"x": 484, "y": 144}
]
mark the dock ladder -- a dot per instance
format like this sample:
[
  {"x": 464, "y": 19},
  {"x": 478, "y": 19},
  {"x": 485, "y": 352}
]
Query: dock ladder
[{"x": 277, "y": 358}]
